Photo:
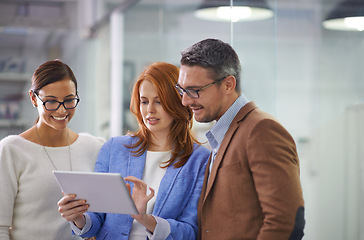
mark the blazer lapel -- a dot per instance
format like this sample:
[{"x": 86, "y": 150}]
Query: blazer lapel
[
  {"x": 225, "y": 143},
  {"x": 165, "y": 187},
  {"x": 136, "y": 165}
]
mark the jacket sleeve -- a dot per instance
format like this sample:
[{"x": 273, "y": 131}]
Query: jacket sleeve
[
  {"x": 275, "y": 169},
  {"x": 185, "y": 226}
]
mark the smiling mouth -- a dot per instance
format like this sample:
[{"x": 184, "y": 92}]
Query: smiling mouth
[
  {"x": 152, "y": 120},
  {"x": 60, "y": 118},
  {"x": 195, "y": 109}
]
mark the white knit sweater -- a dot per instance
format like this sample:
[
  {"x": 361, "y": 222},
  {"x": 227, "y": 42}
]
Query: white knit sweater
[{"x": 28, "y": 190}]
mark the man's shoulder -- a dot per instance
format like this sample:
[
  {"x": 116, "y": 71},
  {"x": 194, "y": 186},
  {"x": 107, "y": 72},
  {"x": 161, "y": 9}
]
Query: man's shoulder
[{"x": 251, "y": 112}]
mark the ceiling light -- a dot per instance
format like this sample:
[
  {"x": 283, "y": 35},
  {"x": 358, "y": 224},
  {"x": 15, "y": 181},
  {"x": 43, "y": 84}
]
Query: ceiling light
[
  {"x": 347, "y": 16},
  {"x": 242, "y": 10}
]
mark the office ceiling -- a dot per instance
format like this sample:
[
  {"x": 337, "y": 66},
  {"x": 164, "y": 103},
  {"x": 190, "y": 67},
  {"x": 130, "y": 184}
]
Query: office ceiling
[{"x": 37, "y": 23}]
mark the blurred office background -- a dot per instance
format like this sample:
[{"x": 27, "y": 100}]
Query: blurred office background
[{"x": 308, "y": 75}]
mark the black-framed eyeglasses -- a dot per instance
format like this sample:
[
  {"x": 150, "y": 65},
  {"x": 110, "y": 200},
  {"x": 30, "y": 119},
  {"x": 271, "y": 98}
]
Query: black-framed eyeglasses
[
  {"x": 194, "y": 93},
  {"x": 52, "y": 105}
]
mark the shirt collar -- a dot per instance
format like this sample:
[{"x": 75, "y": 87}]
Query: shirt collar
[{"x": 218, "y": 131}]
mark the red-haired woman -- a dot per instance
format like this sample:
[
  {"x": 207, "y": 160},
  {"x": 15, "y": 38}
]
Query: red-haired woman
[{"x": 162, "y": 156}]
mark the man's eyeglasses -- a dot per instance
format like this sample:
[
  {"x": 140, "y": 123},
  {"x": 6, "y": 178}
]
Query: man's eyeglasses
[
  {"x": 52, "y": 105},
  {"x": 194, "y": 93}
]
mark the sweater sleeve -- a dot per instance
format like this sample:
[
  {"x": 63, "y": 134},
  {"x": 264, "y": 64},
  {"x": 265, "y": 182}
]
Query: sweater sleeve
[
  {"x": 8, "y": 190},
  {"x": 4, "y": 233}
]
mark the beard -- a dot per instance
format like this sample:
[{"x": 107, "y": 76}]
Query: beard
[{"x": 206, "y": 116}]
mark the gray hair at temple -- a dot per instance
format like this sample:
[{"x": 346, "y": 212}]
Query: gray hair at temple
[{"x": 217, "y": 57}]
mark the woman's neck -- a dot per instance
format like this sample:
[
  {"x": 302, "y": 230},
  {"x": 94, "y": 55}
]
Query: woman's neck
[
  {"x": 51, "y": 137},
  {"x": 160, "y": 144}
]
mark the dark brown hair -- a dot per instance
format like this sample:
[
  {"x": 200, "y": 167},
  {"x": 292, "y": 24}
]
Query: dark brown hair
[{"x": 50, "y": 72}]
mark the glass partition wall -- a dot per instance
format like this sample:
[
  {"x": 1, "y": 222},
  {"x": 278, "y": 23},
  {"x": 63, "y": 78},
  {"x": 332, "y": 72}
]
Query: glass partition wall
[{"x": 308, "y": 76}]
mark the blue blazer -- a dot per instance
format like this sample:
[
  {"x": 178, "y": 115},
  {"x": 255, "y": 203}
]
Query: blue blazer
[{"x": 178, "y": 193}]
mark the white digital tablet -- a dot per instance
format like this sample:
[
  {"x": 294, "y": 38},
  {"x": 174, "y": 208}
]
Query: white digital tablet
[{"x": 105, "y": 192}]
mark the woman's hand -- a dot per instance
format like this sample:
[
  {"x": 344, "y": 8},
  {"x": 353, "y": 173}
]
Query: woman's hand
[
  {"x": 141, "y": 199},
  {"x": 72, "y": 210}
]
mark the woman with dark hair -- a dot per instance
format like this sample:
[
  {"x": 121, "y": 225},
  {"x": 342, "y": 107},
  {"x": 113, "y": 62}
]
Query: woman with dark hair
[
  {"x": 29, "y": 191},
  {"x": 162, "y": 156}
]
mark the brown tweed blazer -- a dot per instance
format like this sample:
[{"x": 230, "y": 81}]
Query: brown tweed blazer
[{"x": 254, "y": 189}]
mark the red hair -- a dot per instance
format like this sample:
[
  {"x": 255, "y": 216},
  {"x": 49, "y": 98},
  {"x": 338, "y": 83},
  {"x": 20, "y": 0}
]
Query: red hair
[{"x": 164, "y": 77}]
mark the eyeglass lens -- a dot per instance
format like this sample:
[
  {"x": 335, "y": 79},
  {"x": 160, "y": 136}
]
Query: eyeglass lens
[
  {"x": 68, "y": 104},
  {"x": 190, "y": 92}
]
